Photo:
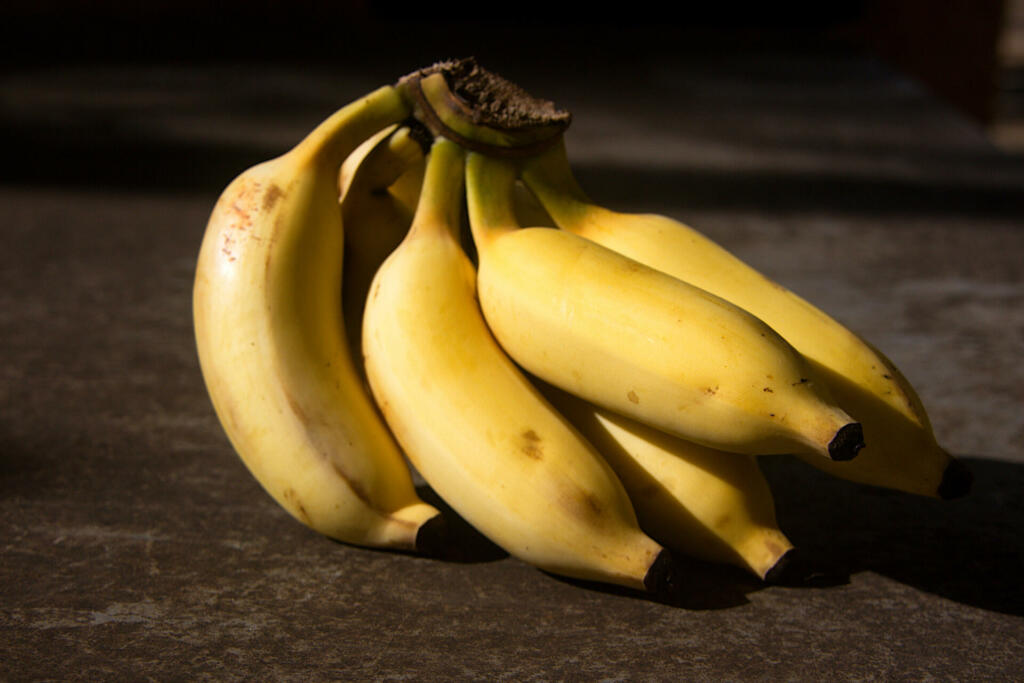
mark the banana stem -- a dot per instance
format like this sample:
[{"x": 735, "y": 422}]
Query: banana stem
[
  {"x": 549, "y": 176},
  {"x": 440, "y": 203},
  {"x": 386, "y": 162},
  {"x": 490, "y": 188},
  {"x": 339, "y": 134}
]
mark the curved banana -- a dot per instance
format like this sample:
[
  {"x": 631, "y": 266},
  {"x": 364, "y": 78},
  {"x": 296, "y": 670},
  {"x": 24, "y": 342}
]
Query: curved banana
[
  {"x": 375, "y": 217},
  {"x": 901, "y": 451},
  {"x": 473, "y": 425},
  {"x": 699, "y": 501},
  {"x": 640, "y": 343},
  {"x": 270, "y": 337}
]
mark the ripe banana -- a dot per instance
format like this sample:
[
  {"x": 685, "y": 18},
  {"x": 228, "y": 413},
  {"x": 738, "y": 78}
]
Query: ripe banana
[
  {"x": 901, "y": 451},
  {"x": 375, "y": 217},
  {"x": 699, "y": 501},
  {"x": 269, "y": 331},
  {"x": 641, "y": 343},
  {"x": 475, "y": 428}
]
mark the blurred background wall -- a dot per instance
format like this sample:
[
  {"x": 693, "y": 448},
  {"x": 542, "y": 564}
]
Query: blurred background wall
[{"x": 969, "y": 52}]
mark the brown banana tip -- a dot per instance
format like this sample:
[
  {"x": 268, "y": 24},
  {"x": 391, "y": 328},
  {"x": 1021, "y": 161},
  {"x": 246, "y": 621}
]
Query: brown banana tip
[
  {"x": 797, "y": 569},
  {"x": 956, "y": 481},
  {"x": 432, "y": 537},
  {"x": 779, "y": 572},
  {"x": 847, "y": 442},
  {"x": 662, "y": 576}
]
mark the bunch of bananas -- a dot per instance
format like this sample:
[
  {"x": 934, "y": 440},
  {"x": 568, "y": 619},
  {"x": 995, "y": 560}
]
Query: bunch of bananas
[{"x": 590, "y": 392}]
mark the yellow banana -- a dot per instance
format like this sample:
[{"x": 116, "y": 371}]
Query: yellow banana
[
  {"x": 475, "y": 428},
  {"x": 705, "y": 503},
  {"x": 641, "y": 343},
  {"x": 269, "y": 331},
  {"x": 901, "y": 451},
  {"x": 375, "y": 218}
]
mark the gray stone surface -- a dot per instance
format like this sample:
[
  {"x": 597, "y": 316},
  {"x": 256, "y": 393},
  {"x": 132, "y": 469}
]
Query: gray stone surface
[{"x": 134, "y": 545}]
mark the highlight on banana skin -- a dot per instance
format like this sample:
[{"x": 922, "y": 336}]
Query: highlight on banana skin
[{"x": 590, "y": 390}]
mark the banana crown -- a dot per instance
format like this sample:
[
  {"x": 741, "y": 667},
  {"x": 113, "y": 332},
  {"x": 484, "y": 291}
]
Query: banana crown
[{"x": 482, "y": 111}]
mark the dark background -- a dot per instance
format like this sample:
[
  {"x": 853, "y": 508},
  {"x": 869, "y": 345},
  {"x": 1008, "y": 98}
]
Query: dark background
[{"x": 949, "y": 44}]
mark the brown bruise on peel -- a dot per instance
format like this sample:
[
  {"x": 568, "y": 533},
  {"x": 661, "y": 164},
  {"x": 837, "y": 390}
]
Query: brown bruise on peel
[
  {"x": 774, "y": 548},
  {"x": 227, "y": 248},
  {"x": 722, "y": 521},
  {"x": 297, "y": 410},
  {"x": 239, "y": 210},
  {"x": 531, "y": 445},
  {"x": 633, "y": 398},
  {"x": 278, "y": 228},
  {"x": 357, "y": 488},
  {"x": 292, "y": 497},
  {"x": 271, "y": 197},
  {"x": 593, "y": 504},
  {"x": 354, "y": 486},
  {"x": 582, "y": 504},
  {"x": 585, "y": 505}
]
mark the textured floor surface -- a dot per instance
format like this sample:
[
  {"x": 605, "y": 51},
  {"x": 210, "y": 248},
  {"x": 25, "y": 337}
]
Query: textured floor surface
[{"x": 134, "y": 544}]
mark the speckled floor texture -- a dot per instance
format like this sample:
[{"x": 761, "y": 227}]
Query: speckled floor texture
[{"x": 134, "y": 545}]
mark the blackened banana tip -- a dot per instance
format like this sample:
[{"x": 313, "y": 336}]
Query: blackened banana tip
[
  {"x": 432, "y": 538},
  {"x": 847, "y": 442},
  {"x": 780, "y": 571},
  {"x": 662, "y": 576},
  {"x": 956, "y": 481}
]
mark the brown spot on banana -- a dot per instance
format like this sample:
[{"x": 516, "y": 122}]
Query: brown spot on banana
[
  {"x": 722, "y": 521},
  {"x": 242, "y": 204},
  {"x": 271, "y": 197},
  {"x": 593, "y": 503},
  {"x": 531, "y": 445},
  {"x": 774, "y": 548},
  {"x": 585, "y": 505},
  {"x": 633, "y": 398},
  {"x": 292, "y": 498},
  {"x": 228, "y": 247},
  {"x": 356, "y": 487},
  {"x": 296, "y": 407}
]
